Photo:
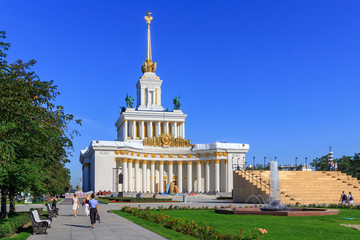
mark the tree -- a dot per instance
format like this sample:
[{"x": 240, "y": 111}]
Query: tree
[
  {"x": 34, "y": 138},
  {"x": 346, "y": 164},
  {"x": 321, "y": 164}
]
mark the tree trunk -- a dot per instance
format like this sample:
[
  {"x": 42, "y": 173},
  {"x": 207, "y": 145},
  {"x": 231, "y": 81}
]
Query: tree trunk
[
  {"x": 3, "y": 204},
  {"x": 12, "y": 203}
]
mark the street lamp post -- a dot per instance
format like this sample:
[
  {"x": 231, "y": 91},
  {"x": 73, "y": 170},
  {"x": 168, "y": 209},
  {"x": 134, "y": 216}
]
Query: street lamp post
[
  {"x": 305, "y": 163},
  {"x": 275, "y": 159},
  {"x": 296, "y": 163},
  {"x": 254, "y": 162}
]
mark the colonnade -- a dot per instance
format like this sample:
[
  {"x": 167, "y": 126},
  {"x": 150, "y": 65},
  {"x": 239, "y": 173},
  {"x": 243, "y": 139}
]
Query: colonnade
[
  {"x": 140, "y": 129},
  {"x": 141, "y": 185}
]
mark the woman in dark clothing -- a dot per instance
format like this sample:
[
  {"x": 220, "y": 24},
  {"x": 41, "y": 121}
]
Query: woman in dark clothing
[{"x": 94, "y": 209}]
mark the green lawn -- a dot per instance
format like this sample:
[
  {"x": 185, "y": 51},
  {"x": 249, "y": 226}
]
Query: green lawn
[
  {"x": 167, "y": 233},
  {"x": 314, "y": 227},
  {"x": 20, "y": 236}
]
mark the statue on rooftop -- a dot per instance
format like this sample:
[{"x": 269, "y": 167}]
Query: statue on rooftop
[
  {"x": 176, "y": 102},
  {"x": 129, "y": 101}
]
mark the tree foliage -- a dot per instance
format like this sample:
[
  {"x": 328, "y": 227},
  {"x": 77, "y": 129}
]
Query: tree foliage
[
  {"x": 346, "y": 164},
  {"x": 34, "y": 137}
]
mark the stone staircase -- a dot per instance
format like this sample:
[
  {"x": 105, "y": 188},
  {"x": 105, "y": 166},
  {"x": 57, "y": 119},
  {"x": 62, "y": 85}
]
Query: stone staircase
[{"x": 302, "y": 187}]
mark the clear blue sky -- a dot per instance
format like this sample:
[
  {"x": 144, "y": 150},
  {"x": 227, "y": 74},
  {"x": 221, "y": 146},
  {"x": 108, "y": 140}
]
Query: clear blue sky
[{"x": 282, "y": 76}]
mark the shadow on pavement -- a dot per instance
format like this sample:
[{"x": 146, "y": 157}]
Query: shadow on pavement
[{"x": 80, "y": 226}]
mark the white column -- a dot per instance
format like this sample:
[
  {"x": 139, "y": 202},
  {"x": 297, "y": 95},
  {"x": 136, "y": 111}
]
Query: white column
[
  {"x": 189, "y": 176},
  {"x": 183, "y": 130},
  {"x": 173, "y": 129},
  {"x": 157, "y": 130},
  {"x": 137, "y": 176},
  {"x": 198, "y": 174},
  {"x": 150, "y": 126},
  {"x": 170, "y": 173},
  {"x": 161, "y": 177},
  {"x": 125, "y": 175},
  {"x": 152, "y": 176},
  {"x": 207, "y": 175},
  {"x": 166, "y": 128},
  {"x": 125, "y": 130},
  {"x": 180, "y": 129},
  {"x": 217, "y": 175},
  {"x": 180, "y": 177},
  {"x": 134, "y": 129},
  {"x": 142, "y": 133},
  {"x": 130, "y": 171},
  {"x": 144, "y": 188},
  {"x": 226, "y": 176}
]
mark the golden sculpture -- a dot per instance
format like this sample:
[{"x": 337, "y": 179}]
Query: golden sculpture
[
  {"x": 148, "y": 65},
  {"x": 167, "y": 140}
]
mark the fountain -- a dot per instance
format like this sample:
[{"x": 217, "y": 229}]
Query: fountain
[
  {"x": 274, "y": 207},
  {"x": 274, "y": 204}
]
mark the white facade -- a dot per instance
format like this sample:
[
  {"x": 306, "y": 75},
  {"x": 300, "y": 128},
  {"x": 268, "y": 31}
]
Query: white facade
[
  {"x": 205, "y": 168},
  {"x": 151, "y": 150}
]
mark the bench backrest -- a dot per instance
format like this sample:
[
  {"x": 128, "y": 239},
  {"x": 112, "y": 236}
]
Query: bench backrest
[{"x": 35, "y": 213}]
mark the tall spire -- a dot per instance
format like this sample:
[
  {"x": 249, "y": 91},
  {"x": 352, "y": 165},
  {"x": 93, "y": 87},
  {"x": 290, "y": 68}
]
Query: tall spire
[{"x": 148, "y": 65}]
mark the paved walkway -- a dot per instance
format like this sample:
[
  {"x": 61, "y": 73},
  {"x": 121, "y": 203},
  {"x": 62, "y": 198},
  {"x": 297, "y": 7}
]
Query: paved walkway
[
  {"x": 68, "y": 227},
  {"x": 112, "y": 226}
]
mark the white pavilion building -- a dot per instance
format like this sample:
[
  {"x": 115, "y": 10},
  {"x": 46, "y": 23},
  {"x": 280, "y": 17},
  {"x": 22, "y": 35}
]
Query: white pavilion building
[{"x": 151, "y": 150}]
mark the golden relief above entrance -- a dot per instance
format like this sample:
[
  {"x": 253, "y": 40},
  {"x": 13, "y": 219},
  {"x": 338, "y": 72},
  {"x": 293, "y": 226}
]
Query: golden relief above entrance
[{"x": 167, "y": 139}]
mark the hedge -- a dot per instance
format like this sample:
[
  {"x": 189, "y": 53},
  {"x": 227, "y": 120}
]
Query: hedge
[
  {"x": 11, "y": 225},
  {"x": 129, "y": 199}
]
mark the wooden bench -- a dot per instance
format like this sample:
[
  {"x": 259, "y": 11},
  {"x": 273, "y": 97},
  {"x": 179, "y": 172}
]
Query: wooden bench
[
  {"x": 39, "y": 225},
  {"x": 51, "y": 211}
]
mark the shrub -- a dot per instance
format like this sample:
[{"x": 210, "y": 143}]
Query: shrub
[
  {"x": 130, "y": 199},
  {"x": 11, "y": 225},
  {"x": 190, "y": 227}
]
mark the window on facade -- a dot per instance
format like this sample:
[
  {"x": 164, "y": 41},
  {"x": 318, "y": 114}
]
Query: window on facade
[
  {"x": 137, "y": 129},
  {"x": 151, "y": 97},
  {"x": 129, "y": 129},
  {"x": 153, "y": 129},
  {"x": 145, "y": 130}
]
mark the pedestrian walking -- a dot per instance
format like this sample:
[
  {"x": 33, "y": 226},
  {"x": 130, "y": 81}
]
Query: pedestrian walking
[
  {"x": 94, "y": 209},
  {"x": 86, "y": 204},
  {"x": 343, "y": 198},
  {"x": 53, "y": 204},
  {"x": 75, "y": 204},
  {"x": 350, "y": 198}
]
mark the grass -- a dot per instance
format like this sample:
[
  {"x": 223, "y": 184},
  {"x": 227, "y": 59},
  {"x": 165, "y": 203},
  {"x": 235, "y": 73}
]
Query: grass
[
  {"x": 167, "y": 233},
  {"x": 314, "y": 227},
  {"x": 103, "y": 200},
  {"x": 22, "y": 235}
]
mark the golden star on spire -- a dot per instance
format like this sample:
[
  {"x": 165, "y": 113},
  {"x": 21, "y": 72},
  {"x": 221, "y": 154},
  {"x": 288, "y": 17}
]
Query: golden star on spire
[{"x": 148, "y": 17}]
